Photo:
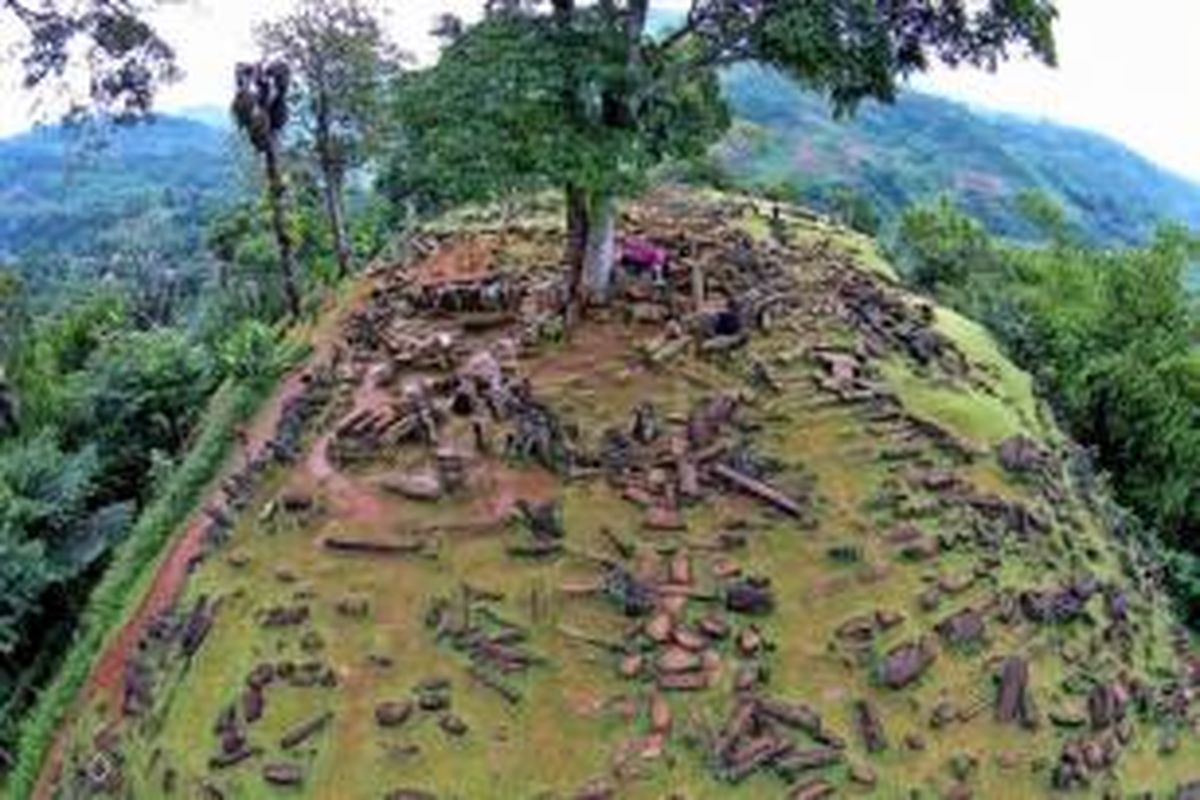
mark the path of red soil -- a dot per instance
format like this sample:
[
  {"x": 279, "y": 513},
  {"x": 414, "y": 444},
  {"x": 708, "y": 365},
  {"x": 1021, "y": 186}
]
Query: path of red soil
[
  {"x": 466, "y": 261},
  {"x": 352, "y": 499},
  {"x": 105, "y": 681}
]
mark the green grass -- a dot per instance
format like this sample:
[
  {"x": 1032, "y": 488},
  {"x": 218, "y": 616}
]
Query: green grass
[
  {"x": 1012, "y": 383},
  {"x": 519, "y": 751},
  {"x": 860, "y": 250},
  {"x": 972, "y": 415},
  {"x": 118, "y": 591},
  {"x": 999, "y": 404}
]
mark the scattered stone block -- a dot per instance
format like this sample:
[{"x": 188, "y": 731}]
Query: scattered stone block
[
  {"x": 423, "y": 486},
  {"x": 1022, "y": 455},
  {"x": 675, "y": 659},
  {"x": 815, "y": 789},
  {"x": 870, "y": 726},
  {"x": 283, "y": 774},
  {"x": 305, "y": 731},
  {"x": 906, "y": 663},
  {"x": 660, "y": 714},
  {"x": 393, "y": 713},
  {"x": 964, "y": 628},
  {"x": 1014, "y": 701},
  {"x": 453, "y": 725},
  {"x": 750, "y": 596}
]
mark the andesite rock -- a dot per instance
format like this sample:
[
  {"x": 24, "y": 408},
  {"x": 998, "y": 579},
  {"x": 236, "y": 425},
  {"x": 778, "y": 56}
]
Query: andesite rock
[
  {"x": 905, "y": 663},
  {"x": 283, "y": 774}
]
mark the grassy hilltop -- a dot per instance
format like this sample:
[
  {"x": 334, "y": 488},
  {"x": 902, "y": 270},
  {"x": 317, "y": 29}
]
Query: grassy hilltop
[{"x": 772, "y": 527}]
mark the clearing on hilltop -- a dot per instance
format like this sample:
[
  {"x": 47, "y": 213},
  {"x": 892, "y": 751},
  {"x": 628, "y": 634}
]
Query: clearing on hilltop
[{"x": 767, "y": 525}]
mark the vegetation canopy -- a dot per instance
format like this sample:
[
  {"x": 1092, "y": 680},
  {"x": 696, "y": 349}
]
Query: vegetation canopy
[
  {"x": 342, "y": 60},
  {"x": 584, "y": 98},
  {"x": 122, "y": 59}
]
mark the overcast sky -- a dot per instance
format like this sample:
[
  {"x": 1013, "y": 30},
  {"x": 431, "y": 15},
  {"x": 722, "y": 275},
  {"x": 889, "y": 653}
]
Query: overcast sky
[{"x": 1127, "y": 69}]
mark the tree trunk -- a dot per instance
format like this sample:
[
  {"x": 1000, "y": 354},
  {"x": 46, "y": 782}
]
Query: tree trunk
[
  {"x": 635, "y": 27},
  {"x": 332, "y": 174},
  {"x": 617, "y": 111},
  {"x": 577, "y": 236},
  {"x": 9, "y": 410},
  {"x": 601, "y": 252},
  {"x": 337, "y": 220},
  {"x": 283, "y": 238},
  {"x": 277, "y": 192}
]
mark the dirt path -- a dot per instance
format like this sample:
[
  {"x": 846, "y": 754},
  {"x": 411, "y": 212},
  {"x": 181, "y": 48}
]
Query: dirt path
[
  {"x": 171, "y": 578},
  {"x": 352, "y": 500},
  {"x": 104, "y": 683}
]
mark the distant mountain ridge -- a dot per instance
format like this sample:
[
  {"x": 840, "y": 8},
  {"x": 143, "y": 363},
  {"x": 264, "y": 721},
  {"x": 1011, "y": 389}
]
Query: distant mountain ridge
[
  {"x": 923, "y": 146},
  {"x": 67, "y": 195},
  {"x": 66, "y": 207}
]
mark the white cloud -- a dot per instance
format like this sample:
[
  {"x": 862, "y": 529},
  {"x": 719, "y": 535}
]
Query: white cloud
[
  {"x": 1125, "y": 69},
  {"x": 212, "y": 35}
]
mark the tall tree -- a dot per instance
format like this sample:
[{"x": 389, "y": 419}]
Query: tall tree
[
  {"x": 341, "y": 60},
  {"x": 515, "y": 104},
  {"x": 260, "y": 107},
  {"x": 124, "y": 58},
  {"x": 594, "y": 74},
  {"x": 14, "y": 321}
]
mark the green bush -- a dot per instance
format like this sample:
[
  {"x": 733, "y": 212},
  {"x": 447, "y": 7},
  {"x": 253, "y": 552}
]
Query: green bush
[
  {"x": 1183, "y": 572},
  {"x": 1110, "y": 336},
  {"x": 144, "y": 391},
  {"x": 940, "y": 248},
  {"x": 251, "y": 353},
  {"x": 854, "y": 210}
]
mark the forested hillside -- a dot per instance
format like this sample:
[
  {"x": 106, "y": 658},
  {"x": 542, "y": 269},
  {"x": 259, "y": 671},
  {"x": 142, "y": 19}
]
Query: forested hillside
[
  {"x": 73, "y": 204},
  {"x": 894, "y": 155},
  {"x": 73, "y": 201}
]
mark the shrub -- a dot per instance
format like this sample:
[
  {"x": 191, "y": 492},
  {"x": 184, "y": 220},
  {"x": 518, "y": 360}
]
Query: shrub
[{"x": 252, "y": 353}]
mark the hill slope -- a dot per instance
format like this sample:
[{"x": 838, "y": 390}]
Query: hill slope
[
  {"x": 923, "y": 146},
  {"x": 822, "y": 540},
  {"x": 66, "y": 197}
]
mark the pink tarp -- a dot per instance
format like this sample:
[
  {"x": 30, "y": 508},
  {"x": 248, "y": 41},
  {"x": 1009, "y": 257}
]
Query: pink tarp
[{"x": 638, "y": 252}]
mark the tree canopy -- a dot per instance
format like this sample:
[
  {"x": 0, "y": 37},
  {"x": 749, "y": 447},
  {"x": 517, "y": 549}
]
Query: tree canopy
[
  {"x": 124, "y": 58},
  {"x": 341, "y": 60},
  {"x": 583, "y": 97},
  {"x": 492, "y": 119},
  {"x": 586, "y": 94}
]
